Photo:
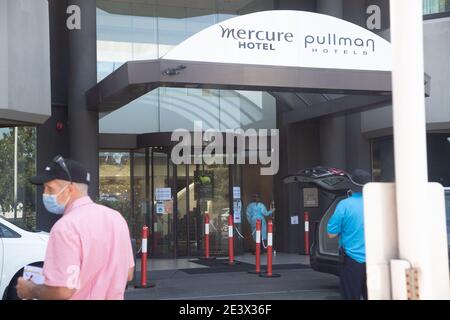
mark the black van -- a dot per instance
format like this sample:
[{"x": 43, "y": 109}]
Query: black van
[
  {"x": 335, "y": 183},
  {"x": 324, "y": 255}
]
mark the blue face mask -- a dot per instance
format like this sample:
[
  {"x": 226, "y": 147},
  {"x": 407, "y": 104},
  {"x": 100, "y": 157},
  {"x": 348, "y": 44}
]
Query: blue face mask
[{"x": 51, "y": 203}]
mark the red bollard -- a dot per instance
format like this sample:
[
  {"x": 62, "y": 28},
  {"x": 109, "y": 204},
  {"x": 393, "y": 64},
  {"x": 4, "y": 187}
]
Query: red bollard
[
  {"x": 207, "y": 256},
  {"x": 231, "y": 260},
  {"x": 144, "y": 256},
  {"x": 257, "y": 248},
  {"x": 306, "y": 218},
  {"x": 144, "y": 284},
  {"x": 269, "y": 273},
  {"x": 230, "y": 240}
]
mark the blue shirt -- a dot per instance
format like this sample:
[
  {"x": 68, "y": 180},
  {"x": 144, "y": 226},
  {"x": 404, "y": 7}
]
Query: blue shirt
[
  {"x": 348, "y": 222},
  {"x": 257, "y": 210}
]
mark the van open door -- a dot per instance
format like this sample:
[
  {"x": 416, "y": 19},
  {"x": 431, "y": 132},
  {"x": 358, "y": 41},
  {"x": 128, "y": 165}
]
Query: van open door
[{"x": 324, "y": 252}]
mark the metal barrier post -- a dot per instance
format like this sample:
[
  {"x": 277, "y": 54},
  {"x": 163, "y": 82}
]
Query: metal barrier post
[{"x": 269, "y": 273}]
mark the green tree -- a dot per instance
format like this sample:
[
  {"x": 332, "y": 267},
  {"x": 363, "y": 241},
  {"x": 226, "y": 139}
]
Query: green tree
[{"x": 26, "y": 167}]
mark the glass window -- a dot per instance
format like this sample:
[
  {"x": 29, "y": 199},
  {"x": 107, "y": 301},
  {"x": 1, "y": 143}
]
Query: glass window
[
  {"x": 145, "y": 29},
  {"x": 163, "y": 209},
  {"x": 181, "y": 107},
  {"x": 114, "y": 186},
  {"x": 219, "y": 208},
  {"x": 141, "y": 212},
  {"x": 176, "y": 24},
  {"x": 167, "y": 109},
  {"x": 435, "y": 6},
  {"x": 7, "y": 233},
  {"x": 247, "y": 109},
  {"x": 182, "y": 216},
  {"x": 140, "y": 30},
  {"x": 209, "y": 194},
  {"x": 438, "y": 146},
  {"x": 126, "y": 31},
  {"x": 438, "y": 152},
  {"x": 383, "y": 169},
  {"x": 196, "y": 216},
  {"x": 139, "y": 116},
  {"x": 17, "y": 164}
]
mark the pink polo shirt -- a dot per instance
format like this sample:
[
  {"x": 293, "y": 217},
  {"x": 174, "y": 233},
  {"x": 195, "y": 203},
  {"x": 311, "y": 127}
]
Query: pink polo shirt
[{"x": 89, "y": 249}]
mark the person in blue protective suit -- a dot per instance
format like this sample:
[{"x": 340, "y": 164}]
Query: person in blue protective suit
[
  {"x": 347, "y": 223},
  {"x": 257, "y": 210}
]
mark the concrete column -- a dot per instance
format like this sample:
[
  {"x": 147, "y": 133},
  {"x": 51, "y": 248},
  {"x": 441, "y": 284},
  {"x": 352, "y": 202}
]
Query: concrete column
[
  {"x": 50, "y": 141},
  {"x": 304, "y": 5},
  {"x": 332, "y": 130},
  {"x": 83, "y": 124},
  {"x": 333, "y": 142},
  {"x": 330, "y": 7},
  {"x": 355, "y": 12},
  {"x": 358, "y": 153}
]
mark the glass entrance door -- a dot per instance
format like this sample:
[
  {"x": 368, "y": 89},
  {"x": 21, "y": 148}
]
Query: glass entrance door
[
  {"x": 183, "y": 228},
  {"x": 181, "y": 195},
  {"x": 163, "y": 205},
  {"x": 149, "y": 190},
  {"x": 210, "y": 195}
]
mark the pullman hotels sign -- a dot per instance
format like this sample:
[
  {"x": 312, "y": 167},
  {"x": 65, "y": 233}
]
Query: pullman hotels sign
[{"x": 287, "y": 38}]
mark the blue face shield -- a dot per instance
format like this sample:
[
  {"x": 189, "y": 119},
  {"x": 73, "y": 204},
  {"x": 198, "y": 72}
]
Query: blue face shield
[{"x": 51, "y": 203}]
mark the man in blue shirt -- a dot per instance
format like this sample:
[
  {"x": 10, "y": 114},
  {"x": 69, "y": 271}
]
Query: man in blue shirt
[
  {"x": 347, "y": 222},
  {"x": 257, "y": 210}
]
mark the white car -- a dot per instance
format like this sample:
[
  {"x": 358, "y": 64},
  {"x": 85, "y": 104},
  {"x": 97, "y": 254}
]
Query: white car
[{"x": 18, "y": 248}]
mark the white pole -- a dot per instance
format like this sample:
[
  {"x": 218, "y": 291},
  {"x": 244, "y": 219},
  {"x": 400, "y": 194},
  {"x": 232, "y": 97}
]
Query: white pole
[
  {"x": 15, "y": 171},
  {"x": 414, "y": 210},
  {"x": 409, "y": 119}
]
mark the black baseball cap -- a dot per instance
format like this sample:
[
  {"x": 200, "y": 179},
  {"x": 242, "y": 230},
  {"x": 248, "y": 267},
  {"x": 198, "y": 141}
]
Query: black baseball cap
[
  {"x": 77, "y": 173},
  {"x": 359, "y": 178}
]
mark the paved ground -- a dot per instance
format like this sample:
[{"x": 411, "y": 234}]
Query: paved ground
[{"x": 295, "y": 283}]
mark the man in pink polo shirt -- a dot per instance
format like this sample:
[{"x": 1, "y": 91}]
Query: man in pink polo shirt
[{"x": 89, "y": 254}]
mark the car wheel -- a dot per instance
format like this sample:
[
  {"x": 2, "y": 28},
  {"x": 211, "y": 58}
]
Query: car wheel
[{"x": 11, "y": 292}]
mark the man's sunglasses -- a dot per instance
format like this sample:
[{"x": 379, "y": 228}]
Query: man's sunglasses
[{"x": 62, "y": 163}]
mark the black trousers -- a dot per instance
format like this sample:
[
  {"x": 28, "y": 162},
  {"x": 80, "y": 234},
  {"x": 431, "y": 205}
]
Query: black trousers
[{"x": 353, "y": 280}]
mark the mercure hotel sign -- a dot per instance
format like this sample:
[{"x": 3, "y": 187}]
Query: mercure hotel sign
[{"x": 287, "y": 38}]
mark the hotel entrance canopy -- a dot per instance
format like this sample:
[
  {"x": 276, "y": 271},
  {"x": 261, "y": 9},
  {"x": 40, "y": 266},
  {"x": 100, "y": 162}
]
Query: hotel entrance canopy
[{"x": 346, "y": 66}]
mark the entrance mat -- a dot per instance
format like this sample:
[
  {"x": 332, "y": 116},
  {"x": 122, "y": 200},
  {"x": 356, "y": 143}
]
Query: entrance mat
[
  {"x": 216, "y": 263},
  {"x": 218, "y": 266},
  {"x": 289, "y": 266}
]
